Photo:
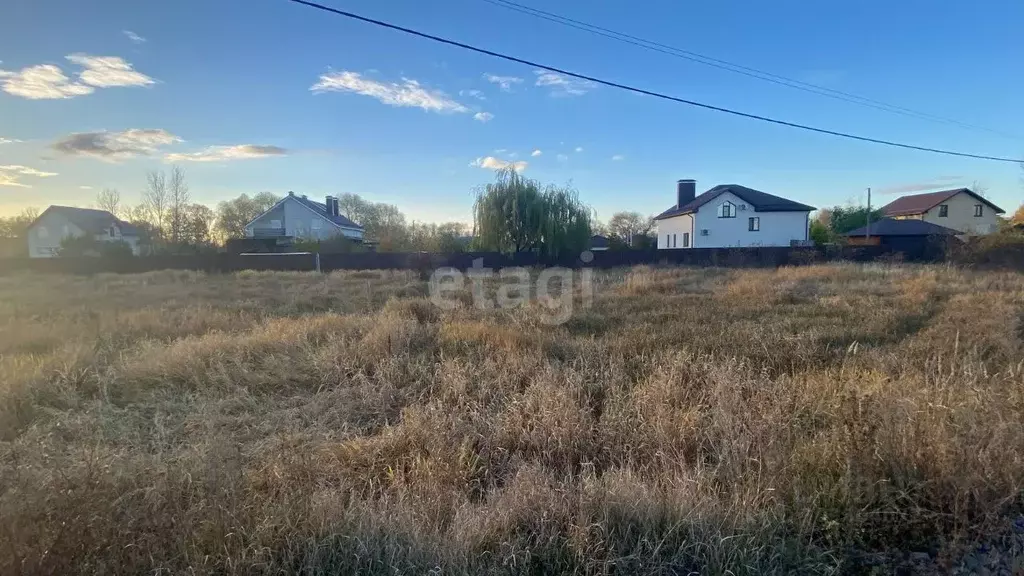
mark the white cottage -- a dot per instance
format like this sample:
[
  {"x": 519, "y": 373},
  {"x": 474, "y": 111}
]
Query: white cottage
[{"x": 730, "y": 215}]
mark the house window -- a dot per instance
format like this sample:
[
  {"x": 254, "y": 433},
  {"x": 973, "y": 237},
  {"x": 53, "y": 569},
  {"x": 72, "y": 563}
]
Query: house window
[
  {"x": 979, "y": 210},
  {"x": 686, "y": 239},
  {"x": 112, "y": 232},
  {"x": 727, "y": 210},
  {"x": 944, "y": 211},
  {"x": 668, "y": 240},
  {"x": 754, "y": 224},
  {"x": 275, "y": 223},
  {"x": 673, "y": 240}
]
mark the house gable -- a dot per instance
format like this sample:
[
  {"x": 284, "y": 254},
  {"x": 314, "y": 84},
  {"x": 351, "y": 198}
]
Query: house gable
[
  {"x": 960, "y": 211},
  {"x": 45, "y": 234},
  {"x": 915, "y": 204},
  {"x": 300, "y": 217}
]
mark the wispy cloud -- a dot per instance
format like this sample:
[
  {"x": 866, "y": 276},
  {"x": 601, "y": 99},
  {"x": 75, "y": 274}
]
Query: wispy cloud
[
  {"x": 933, "y": 184},
  {"x": 492, "y": 163},
  {"x": 85, "y": 187},
  {"x": 505, "y": 82},
  {"x": 579, "y": 149},
  {"x": 562, "y": 85},
  {"x": 10, "y": 175},
  {"x": 479, "y": 95},
  {"x": 9, "y": 141},
  {"x": 133, "y": 37},
  {"x": 228, "y": 153},
  {"x": 483, "y": 117},
  {"x": 115, "y": 146},
  {"x": 562, "y": 158},
  {"x": 536, "y": 153},
  {"x": 618, "y": 158},
  {"x": 108, "y": 71},
  {"x": 407, "y": 94},
  {"x": 49, "y": 82}
]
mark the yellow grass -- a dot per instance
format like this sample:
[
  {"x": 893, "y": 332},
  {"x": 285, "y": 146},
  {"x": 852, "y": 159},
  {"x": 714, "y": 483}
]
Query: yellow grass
[{"x": 796, "y": 420}]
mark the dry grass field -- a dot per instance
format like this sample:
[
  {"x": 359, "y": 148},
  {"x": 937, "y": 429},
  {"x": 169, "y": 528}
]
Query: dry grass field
[{"x": 820, "y": 419}]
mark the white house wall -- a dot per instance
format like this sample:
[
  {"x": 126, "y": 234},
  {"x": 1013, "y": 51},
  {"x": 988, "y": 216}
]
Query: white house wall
[
  {"x": 776, "y": 228},
  {"x": 45, "y": 236},
  {"x": 674, "y": 226}
]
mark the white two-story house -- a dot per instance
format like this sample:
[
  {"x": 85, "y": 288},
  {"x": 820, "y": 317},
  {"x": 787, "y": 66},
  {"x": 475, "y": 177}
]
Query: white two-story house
[
  {"x": 961, "y": 209},
  {"x": 730, "y": 215},
  {"x": 56, "y": 223},
  {"x": 299, "y": 217}
]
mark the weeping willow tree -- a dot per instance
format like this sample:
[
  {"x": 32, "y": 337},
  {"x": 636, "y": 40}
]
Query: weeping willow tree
[{"x": 514, "y": 214}]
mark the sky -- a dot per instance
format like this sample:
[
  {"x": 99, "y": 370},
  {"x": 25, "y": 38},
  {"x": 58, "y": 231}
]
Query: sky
[{"x": 272, "y": 95}]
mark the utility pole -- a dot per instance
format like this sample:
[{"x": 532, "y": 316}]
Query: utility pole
[{"x": 867, "y": 229}]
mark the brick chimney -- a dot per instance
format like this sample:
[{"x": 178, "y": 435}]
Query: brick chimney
[
  {"x": 686, "y": 191},
  {"x": 331, "y": 206}
]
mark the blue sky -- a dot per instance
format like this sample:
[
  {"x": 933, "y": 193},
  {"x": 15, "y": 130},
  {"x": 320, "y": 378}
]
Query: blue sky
[{"x": 270, "y": 95}]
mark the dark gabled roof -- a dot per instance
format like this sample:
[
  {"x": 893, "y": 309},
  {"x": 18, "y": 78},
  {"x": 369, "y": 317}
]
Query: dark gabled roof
[
  {"x": 322, "y": 209},
  {"x": 599, "y": 241},
  {"x": 761, "y": 201},
  {"x": 910, "y": 227},
  {"x": 90, "y": 220},
  {"x": 921, "y": 203}
]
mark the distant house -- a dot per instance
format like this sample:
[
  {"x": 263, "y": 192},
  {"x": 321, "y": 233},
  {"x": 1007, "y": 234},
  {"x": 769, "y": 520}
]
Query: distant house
[
  {"x": 299, "y": 217},
  {"x": 598, "y": 243},
  {"x": 59, "y": 222},
  {"x": 960, "y": 209},
  {"x": 730, "y": 215}
]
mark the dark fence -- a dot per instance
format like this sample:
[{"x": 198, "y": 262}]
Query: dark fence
[{"x": 724, "y": 257}]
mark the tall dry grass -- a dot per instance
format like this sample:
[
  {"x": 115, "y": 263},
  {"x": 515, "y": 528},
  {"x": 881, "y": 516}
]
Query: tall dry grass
[{"x": 815, "y": 420}]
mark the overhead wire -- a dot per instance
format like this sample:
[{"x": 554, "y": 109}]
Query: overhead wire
[
  {"x": 636, "y": 90},
  {"x": 735, "y": 68}
]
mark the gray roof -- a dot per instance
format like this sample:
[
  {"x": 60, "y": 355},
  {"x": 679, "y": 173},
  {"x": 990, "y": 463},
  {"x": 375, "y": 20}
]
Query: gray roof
[
  {"x": 761, "y": 201},
  {"x": 893, "y": 227},
  {"x": 90, "y": 220},
  {"x": 340, "y": 220}
]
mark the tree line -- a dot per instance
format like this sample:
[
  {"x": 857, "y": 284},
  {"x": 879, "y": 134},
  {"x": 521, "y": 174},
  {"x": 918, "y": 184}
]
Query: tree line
[{"x": 511, "y": 214}]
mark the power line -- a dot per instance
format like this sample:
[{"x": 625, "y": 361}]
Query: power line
[
  {"x": 643, "y": 91},
  {"x": 733, "y": 67}
]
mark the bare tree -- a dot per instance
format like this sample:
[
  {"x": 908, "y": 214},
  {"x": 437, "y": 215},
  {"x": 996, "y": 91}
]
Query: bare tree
[
  {"x": 155, "y": 199},
  {"x": 630, "y": 228},
  {"x": 177, "y": 202},
  {"x": 980, "y": 189},
  {"x": 110, "y": 200},
  {"x": 136, "y": 214}
]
